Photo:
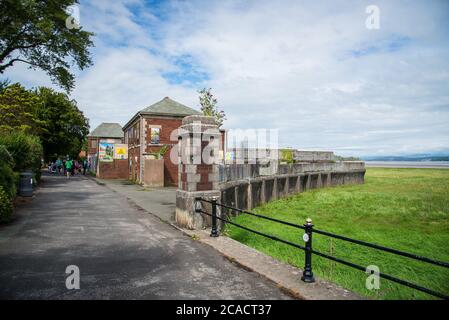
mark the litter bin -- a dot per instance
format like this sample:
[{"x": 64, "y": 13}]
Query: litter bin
[{"x": 26, "y": 184}]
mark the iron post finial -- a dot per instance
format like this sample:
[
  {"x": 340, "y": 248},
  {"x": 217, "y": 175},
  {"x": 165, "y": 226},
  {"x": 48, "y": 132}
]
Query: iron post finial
[{"x": 309, "y": 221}]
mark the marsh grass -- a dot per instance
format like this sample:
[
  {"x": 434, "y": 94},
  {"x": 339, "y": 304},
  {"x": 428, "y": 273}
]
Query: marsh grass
[{"x": 405, "y": 209}]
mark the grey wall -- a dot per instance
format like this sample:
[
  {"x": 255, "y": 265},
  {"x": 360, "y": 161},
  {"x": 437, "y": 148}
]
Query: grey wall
[
  {"x": 248, "y": 193},
  {"x": 233, "y": 172}
]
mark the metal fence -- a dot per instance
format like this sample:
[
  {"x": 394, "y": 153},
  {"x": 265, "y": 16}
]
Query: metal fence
[{"x": 309, "y": 230}]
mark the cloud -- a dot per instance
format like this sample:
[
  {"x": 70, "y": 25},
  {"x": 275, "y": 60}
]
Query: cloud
[{"x": 314, "y": 71}]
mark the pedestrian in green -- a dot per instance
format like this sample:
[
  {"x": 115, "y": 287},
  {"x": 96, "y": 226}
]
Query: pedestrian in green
[{"x": 68, "y": 166}]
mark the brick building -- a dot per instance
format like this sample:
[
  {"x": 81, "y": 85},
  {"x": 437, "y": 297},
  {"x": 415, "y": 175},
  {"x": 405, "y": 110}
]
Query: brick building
[
  {"x": 148, "y": 131},
  {"x": 101, "y": 142}
]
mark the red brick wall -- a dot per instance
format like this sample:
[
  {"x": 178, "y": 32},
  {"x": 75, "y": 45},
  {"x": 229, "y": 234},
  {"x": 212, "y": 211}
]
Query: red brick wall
[
  {"x": 167, "y": 126},
  {"x": 132, "y": 138},
  {"x": 118, "y": 169},
  {"x": 91, "y": 147}
]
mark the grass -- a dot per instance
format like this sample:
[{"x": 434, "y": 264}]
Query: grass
[{"x": 405, "y": 209}]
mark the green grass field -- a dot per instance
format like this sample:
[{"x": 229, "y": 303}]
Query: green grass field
[{"x": 405, "y": 209}]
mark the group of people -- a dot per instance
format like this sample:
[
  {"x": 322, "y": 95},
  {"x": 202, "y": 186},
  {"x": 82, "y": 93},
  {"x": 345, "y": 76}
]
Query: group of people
[{"x": 68, "y": 167}]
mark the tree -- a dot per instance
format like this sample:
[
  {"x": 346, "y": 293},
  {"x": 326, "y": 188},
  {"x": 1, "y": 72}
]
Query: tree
[
  {"x": 209, "y": 106},
  {"x": 35, "y": 32},
  {"x": 50, "y": 115},
  {"x": 4, "y": 84},
  {"x": 18, "y": 108},
  {"x": 64, "y": 126}
]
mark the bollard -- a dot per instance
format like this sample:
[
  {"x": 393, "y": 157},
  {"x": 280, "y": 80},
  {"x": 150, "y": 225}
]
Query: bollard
[
  {"x": 307, "y": 275},
  {"x": 214, "y": 231}
]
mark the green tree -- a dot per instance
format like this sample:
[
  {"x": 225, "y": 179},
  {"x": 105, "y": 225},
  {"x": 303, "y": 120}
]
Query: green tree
[
  {"x": 209, "y": 106},
  {"x": 50, "y": 115},
  {"x": 64, "y": 126},
  {"x": 35, "y": 32},
  {"x": 18, "y": 110},
  {"x": 4, "y": 84}
]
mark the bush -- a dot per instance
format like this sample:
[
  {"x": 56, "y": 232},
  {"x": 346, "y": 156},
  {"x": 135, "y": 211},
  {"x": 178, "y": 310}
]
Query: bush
[
  {"x": 25, "y": 150},
  {"x": 8, "y": 179},
  {"x": 287, "y": 156},
  {"x": 6, "y": 207}
]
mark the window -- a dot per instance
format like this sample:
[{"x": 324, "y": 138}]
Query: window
[
  {"x": 155, "y": 135},
  {"x": 93, "y": 143}
]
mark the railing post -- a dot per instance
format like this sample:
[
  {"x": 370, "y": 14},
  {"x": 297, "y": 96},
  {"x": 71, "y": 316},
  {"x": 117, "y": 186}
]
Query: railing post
[
  {"x": 214, "y": 231},
  {"x": 307, "y": 275}
]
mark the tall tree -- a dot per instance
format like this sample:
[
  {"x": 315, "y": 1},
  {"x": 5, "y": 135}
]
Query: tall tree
[
  {"x": 18, "y": 110},
  {"x": 50, "y": 115},
  {"x": 36, "y": 32},
  {"x": 64, "y": 126}
]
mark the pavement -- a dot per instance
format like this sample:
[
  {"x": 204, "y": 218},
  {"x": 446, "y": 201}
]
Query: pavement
[
  {"x": 122, "y": 252},
  {"x": 161, "y": 203}
]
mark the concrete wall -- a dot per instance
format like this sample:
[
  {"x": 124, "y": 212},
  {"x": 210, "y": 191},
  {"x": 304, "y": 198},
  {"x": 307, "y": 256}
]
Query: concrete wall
[
  {"x": 232, "y": 172},
  {"x": 154, "y": 173},
  {"x": 313, "y": 156},
  {"x": 248, "y": 193}
]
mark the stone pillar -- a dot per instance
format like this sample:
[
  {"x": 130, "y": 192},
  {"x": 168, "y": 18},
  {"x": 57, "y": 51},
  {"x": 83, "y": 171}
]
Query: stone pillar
[{"x": 198, "y": 160}]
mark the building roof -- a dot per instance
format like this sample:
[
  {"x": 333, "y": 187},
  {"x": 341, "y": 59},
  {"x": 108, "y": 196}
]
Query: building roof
[
  {"x": 165, "y": 107},
  {"x": 168, "y": 106},
  {"x": 107, "y": 130}
]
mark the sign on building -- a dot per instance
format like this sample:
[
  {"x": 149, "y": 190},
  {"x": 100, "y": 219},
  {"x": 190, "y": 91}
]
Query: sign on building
[
  {"x": 106, "y": 152},
  {"x": 121, "y": 151}
]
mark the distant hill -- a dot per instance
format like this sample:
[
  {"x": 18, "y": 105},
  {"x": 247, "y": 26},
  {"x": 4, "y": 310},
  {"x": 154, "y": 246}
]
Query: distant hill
[{"x": 420, "y": 157}]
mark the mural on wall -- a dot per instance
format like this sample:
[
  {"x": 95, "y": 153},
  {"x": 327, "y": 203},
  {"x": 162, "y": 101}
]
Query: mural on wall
[
  {"x": 106, "y": 153},
  {"x": 121, "y": 151}
]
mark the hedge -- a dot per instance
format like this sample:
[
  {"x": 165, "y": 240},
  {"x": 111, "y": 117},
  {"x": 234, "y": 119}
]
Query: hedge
[{"x": 6, "y": 207}]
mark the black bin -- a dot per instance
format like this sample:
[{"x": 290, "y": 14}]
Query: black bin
[{"x": 26, "y": 184}]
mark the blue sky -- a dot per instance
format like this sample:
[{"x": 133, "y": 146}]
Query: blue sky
[{"x": 310, "y": 69}]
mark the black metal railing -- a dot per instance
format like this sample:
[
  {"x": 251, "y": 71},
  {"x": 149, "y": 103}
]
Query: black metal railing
[{"x": 309, "y": 229}]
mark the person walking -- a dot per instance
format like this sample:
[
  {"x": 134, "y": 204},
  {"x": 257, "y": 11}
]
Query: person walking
[
  {"x": 85, "y": 165},
  {"x": 58, "y": 166},
  {"x": 69, "y": 167}
]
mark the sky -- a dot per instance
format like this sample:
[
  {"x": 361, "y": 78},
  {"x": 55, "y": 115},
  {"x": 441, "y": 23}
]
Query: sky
[{"x": 311, "y": 69}]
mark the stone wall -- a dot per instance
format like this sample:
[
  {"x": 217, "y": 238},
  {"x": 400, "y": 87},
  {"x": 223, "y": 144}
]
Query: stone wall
[
  {"x": 232, "y": 172},
  {"x": 248, "y": 193},
  {"x": 313, "y": 156}
]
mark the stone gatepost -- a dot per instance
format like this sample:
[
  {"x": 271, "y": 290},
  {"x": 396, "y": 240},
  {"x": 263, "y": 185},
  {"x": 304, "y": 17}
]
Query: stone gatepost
[{"x": 198, "y": 175}]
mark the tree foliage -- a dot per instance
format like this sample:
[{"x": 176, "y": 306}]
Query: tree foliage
[
  {"x": 209, "y": 106},
  {"x": 18, "y": 110},
  {"x": 25, "y": 150},
  {"x": 35, "y": 32},
  {"x": 64, "y": 126},
  {"x": 50, "y": 115}
]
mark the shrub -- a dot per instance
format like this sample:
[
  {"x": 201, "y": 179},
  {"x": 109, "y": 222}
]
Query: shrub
[
  {"x": 287, "y": 156},
  {"x": 6, "y": 207},
  {"x": 8, "y": 179},
  {"x": 26, "y": 150}
]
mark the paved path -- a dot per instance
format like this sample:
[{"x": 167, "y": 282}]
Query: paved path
[
  {"x": 161, "y": 202},
  {"x": 122, "y": 252}
]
